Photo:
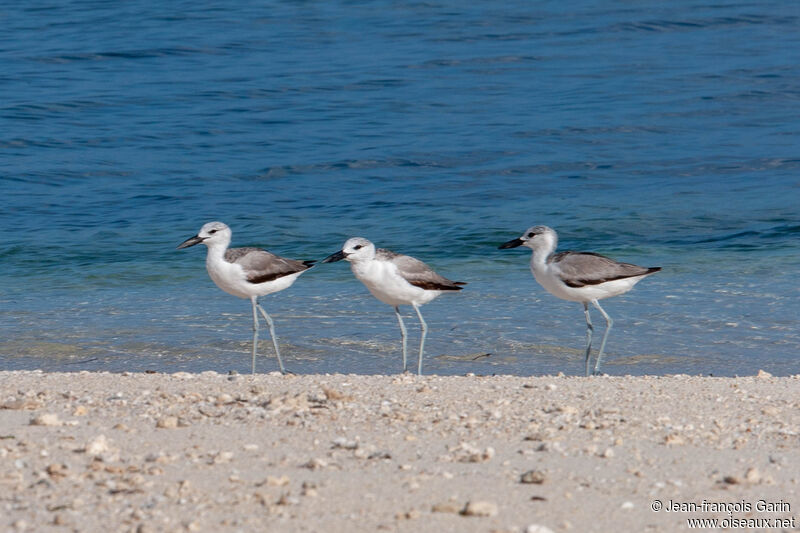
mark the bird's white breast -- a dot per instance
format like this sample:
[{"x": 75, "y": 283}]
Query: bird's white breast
[
  {"x": 547, "y": 276},
  {"x": 231, "y": 278},
  {"x": 387, "y": 285},
  {"x": 228, "y": 276}
]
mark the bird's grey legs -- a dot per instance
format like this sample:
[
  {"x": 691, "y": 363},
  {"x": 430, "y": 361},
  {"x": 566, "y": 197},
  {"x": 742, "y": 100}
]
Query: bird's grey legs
[
  {"x": 254, "y": 301},
  {"x": 609, "y": 323},
  {"x": 422, "y": 338},
  {"x": 272, "y": 334},
  {"x": 255, "y": 332},
  {"x": 403, "y": 333},
  {"x": 589, "y": 330}
]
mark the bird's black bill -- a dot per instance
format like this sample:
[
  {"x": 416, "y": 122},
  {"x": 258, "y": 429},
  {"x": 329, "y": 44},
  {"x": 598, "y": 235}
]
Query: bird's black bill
[
  {"x": 513, "y": 243},
  {"x": 338, "y": 256},
  {"x": 191, "y": 241}
]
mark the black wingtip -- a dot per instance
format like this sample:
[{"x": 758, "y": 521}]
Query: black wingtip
[
  {"x": 652, "y": 270},
  {"x": 310, "y": 263},
  {"x": 433, "y": 286}
]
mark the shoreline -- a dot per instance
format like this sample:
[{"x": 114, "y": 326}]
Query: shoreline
[{"x": 89, "y": 451}]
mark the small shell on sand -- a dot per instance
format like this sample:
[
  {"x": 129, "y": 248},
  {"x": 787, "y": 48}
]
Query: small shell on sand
[{"x": 480, "y": 508}]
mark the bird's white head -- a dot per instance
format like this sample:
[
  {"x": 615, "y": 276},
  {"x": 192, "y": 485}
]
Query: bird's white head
[
  {"x": 211, "y": 234},
  {"x": 354, "y": 250},
  {"x": 537, "y": 238}
]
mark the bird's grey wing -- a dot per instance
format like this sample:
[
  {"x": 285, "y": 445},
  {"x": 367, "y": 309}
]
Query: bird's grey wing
[
  {"x": 418, "y": 273},
  {"x": 261, "y": 266},
  {"x": 578, "y": 269}
]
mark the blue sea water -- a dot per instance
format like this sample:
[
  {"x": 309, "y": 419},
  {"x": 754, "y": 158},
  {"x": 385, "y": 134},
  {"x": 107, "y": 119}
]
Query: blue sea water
[{"x": 663, "y": 134}]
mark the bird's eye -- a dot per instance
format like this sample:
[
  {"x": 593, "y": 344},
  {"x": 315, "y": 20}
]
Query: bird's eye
[
  {"x": 531, "y": 234},
  {"x": 213, "y": 231},
  {"x": 357, "y": 247}
]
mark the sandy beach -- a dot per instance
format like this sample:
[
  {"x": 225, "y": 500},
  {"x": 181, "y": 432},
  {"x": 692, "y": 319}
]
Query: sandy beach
[{"x": 340, "y": 453}]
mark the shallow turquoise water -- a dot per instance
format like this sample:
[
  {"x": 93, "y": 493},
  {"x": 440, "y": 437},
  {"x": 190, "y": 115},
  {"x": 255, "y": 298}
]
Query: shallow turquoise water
[{"x": 663, "y": 136}]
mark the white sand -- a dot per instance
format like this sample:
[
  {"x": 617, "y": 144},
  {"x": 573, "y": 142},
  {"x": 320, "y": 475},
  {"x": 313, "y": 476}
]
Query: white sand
[{"x": 335, "y": 453}]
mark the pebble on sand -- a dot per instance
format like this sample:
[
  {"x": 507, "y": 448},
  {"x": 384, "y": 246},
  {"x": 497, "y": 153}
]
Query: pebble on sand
[
  {"x": 536, "y": 528},
  {"x": 753, "y": 475},
  {"x": 97, "y": 446},
  {"x": 533, "y": 476},
  {"x": 167, "y": 422},
  {"x": 46, "y": 419},
  {"x": 480, "y": 508}
]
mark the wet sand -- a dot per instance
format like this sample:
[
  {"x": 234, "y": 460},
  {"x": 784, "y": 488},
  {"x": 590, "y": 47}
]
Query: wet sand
[{"x": 342, "y": 453}]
